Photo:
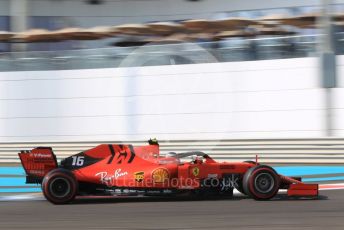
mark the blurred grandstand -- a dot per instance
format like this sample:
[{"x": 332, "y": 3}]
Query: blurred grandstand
[
  {"x": 251, "y": 69},
  {"x": 284, "y": 30}
]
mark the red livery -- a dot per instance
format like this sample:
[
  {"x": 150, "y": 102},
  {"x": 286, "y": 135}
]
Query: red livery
[{"x": 111, "y": 169}]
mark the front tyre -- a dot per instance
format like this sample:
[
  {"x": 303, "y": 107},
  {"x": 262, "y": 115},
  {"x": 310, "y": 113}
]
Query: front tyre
[
  {"x": 59, "y": 186},
  {"x": 261, "y": 182},
  {"x": 239, "y": 185}
]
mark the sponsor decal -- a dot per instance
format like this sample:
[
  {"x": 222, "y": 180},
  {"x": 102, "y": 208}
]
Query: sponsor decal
[
  {"x": 195, "y": 171},
  {"x": 109, "y": 179},
  {"x": 160, "y": 175},
  {"x": 118, "y": 173},
  {"x": 139, "y": 176},
  {"x": 40, "y": 155}
]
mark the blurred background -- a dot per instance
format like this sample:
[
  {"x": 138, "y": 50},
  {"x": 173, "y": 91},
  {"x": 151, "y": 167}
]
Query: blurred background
[
  {"x": 178, "y": 70},
  {"x": 235, "y": 79}
]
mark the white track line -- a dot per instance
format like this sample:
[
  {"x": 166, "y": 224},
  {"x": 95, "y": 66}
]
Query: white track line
[
  {"x": 331, "y": 186},
  {"x": 22, "y": 197}
]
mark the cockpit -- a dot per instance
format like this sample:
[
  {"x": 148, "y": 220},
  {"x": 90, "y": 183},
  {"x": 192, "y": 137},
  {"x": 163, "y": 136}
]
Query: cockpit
[{"x": 192, "y": 157}]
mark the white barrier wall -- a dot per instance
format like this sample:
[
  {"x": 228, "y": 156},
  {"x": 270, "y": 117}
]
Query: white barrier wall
[
  {"x": 259, "y": 99},
  {"x": 338, "y": 102}
]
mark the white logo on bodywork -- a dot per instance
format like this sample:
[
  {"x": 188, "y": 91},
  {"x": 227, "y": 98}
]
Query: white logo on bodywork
[{"x": 109, "y": 180}]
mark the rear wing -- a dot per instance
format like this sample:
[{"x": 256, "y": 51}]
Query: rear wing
[{"x": 37, "y": 162}]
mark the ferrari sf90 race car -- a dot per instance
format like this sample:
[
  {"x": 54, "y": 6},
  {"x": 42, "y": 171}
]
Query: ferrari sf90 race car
[{"x": 114, "y": 169}]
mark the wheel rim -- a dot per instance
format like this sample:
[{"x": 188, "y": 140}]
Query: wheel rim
[
  {"x": 264, "y": 182},
  {"x": 60, "y": 187}
]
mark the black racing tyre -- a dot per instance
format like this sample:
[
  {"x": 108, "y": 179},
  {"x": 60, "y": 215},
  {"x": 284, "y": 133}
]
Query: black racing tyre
[
  {"x": 60, "y": 186},
  {"x": 261, "y": 182},
  {"x": 239, "y": 184}
]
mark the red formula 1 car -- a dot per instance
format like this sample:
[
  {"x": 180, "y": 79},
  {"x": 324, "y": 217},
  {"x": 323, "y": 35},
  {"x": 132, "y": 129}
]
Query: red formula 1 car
[{"x": 111, "y": 169}]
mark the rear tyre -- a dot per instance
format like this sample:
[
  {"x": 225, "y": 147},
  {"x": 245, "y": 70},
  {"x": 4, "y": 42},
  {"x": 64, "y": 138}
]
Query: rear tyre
[
  {"x": 59, "y": 186},
  {"x": 261, "y": 182}
]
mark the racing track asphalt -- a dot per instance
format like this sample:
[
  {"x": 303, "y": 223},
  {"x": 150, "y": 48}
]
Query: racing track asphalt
[{"x": 161, "y": 213}]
